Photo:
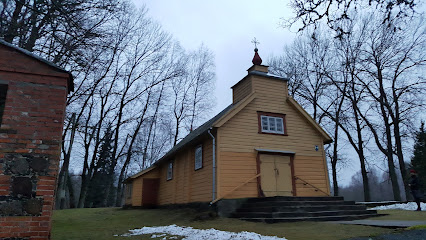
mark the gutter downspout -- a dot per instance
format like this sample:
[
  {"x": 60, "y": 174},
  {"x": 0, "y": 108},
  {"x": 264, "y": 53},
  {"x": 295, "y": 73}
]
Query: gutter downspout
[{"x": 214, "y": 166}]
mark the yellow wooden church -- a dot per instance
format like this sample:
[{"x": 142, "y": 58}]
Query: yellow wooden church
[{"x": 263, "y": 144}]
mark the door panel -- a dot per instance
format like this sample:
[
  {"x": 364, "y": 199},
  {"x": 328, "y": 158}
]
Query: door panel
[
  {"x": 150, "y": 191},
  {"x": 284, "y": 179},
  {"x": 276, "y": 179},
  {"x": 267, "y": 176}
]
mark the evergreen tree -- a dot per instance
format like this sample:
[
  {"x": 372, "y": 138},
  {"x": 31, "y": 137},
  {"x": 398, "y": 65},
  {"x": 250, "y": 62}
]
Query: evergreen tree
[
  {"x": 98, "y": 184},
  {"x": 418, "y": 162}
]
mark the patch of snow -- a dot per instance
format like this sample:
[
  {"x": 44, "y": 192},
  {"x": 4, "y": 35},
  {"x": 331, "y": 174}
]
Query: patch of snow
[
  {"x": 190, "y": 233},
  {"x": 163, "y": 236},
  {"x": 403, "y": 206},
  {"x": 377, "y": 202}
]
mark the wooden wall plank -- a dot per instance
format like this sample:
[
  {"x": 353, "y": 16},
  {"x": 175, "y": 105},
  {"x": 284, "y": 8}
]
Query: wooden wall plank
[
  {"x": 243, "y": 89},
  {"x": 240, "y": 138},
  {"x": 188, "y": 184}
]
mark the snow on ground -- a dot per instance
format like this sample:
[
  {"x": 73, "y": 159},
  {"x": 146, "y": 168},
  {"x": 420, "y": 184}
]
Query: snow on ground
[
  {"x": 190, "y": 233},
  {"x": 403, "y": 206}
]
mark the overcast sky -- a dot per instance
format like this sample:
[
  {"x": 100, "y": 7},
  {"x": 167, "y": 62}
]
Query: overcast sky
[{"x": 227, "y": 29}]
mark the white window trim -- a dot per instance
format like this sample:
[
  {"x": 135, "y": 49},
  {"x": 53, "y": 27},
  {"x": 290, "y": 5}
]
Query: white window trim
[
  {"x": 269, "y": 127},
  {"x": 169, "y": 167},
  {"x": 198, "y": 164}
]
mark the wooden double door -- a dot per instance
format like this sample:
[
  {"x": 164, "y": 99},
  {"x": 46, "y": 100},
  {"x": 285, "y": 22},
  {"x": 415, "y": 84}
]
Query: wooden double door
[{"x": 276, "y": 175}]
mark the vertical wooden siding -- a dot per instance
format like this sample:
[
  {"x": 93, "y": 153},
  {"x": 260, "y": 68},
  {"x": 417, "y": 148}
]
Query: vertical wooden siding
[
  {"x": 313, "y": 171},
  {"x": 136, "y": 200},
  {"x": 127, "y": 199},
  {"x": 235, "y": 169},
  {"x": 239, "y": 137},
  {"x": 188, "y": 185},
  {"x": 137, "y": 192}
]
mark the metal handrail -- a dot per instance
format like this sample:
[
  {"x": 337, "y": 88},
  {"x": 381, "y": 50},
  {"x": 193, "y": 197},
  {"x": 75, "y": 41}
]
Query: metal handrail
[
  {"x": 306, "y": 183},
  {"x": 244, "y": 183}
]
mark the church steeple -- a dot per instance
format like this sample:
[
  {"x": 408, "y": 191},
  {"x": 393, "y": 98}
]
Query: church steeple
[{"x": 256, "y": 59}]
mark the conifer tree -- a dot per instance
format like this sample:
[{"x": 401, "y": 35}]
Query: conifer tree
[
  {"x": 98, "y": 184},
  {"x": 418, "y": 162}
]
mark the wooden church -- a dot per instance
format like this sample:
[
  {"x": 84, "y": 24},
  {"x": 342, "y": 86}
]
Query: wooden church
[{"x": 263, "y": 144}]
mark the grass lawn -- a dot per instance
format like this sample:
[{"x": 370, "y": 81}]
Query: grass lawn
[{"x": 104, "y": 223}]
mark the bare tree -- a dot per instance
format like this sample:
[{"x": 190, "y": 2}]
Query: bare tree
[
  {"x": 124, "y": 65},
  {"x": 311, "y": 66},
  {"x": 200, "y": 71},
  {"x": 313, "y": 13},
  {"x": 393, "y": 66},
  {"x": 190, "y": 92},
  {"x": 369, "y": 87},
  {"x": 57, "y": 30}
]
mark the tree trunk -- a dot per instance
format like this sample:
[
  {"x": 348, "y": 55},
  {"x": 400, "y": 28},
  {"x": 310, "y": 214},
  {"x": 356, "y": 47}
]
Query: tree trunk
[
  {"x": 398, "y": 143},
  {"x": 176, "y": 132},
  {"x": 13, "y": 26},
  {"x": 361, "y": 156},
  {"x": 366, "y": 185},
  {"x": 389, "y": 153},
  {"x": 83, "y": 191},
  {"x": 71, "y": 192},
  {"x": 63, "y": 174},
  {"x": 334, "y": 160}
]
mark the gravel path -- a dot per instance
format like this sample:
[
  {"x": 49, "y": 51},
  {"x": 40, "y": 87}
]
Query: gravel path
[{"x": 406, "y": 235}]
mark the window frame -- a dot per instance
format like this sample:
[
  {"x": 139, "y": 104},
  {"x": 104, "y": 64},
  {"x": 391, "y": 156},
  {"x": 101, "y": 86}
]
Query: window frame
[
  {"x": 129, "y": 188},
  {"x": 3, "y": 91},
  {"x": 195, "y": 157},
  {"x": 169, "y": 167},
  {"x": 273, "y": 116}
]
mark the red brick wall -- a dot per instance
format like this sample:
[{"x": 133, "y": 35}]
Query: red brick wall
[{"x": 30, "y": 138}]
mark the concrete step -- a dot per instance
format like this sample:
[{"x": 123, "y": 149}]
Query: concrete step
[
  {"x": 295, "y": 203},
  {"x": 283, "y": 198},
  {"x": 321, "y": 218},
  {"x": 301, "y": 214},
  {"x": 288, "y": 209},
  {"x": 307, "y": 208}
]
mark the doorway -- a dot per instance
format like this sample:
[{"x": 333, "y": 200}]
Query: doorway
[
  {"x": 276, "y": 175},
  {"x": 150, "y": 188}
]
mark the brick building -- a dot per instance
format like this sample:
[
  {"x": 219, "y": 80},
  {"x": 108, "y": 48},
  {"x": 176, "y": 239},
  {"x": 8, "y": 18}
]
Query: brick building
[{"x": 33, "y": 96}]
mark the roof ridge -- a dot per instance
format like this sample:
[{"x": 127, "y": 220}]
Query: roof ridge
[
  {"x": 194, "y": 134},
  {"x": 32, "y": 55}
]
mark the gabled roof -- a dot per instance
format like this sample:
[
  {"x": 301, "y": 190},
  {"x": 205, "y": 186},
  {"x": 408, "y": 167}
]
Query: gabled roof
[
  {"x": 42, "y": 60},
  {"x": 236, "y": 109},
  {"x": 324, "y": 134},
  {"x": 263, "y": 74},
  {"x": 195, "y": 134},
  {"x": 224, "y": 116},
  {"x": 189, "y": 138},
  {"x": 139, "y": 174}
]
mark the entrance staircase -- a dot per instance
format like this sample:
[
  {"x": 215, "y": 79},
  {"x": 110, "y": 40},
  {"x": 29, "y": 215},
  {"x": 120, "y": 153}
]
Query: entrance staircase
[{"x": 290, "y": 209}]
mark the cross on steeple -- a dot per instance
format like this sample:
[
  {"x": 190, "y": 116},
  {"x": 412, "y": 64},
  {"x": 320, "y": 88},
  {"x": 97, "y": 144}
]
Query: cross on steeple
[
  {"x": 256, "y": 59},
  {"x": 255, "y": 42}
]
